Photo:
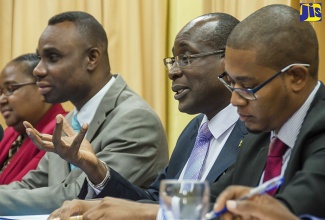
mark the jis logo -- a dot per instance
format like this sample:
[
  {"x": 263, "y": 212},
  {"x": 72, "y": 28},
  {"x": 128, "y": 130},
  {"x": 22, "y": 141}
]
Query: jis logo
[{"x": 310, "y": 11}]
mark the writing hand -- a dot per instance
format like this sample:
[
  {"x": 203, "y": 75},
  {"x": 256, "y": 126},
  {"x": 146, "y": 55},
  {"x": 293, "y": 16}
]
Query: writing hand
[{"x": 258, "y": 207}]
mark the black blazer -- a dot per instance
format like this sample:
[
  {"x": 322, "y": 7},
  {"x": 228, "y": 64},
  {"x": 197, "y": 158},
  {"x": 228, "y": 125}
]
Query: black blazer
[
  {"x": 118, "y": 187},
  {"x": 303, "y": 191}
]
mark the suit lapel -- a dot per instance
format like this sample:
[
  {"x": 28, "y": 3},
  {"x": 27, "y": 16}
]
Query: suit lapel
[
  {"x": 106, "y": 105},
  {"x": 228, "y": 153},
  {"x": 255, "y": 147},
  {"x": 187, "y": 154},
  {"x": 183, "y": 148}
]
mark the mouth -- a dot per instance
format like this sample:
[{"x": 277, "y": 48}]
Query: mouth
[
  {"x": 43, "y": 87},
  {"x": 244, "y": 117},
  {"x": 5, "y": 113},
  {"x": 180, "y": 91}
]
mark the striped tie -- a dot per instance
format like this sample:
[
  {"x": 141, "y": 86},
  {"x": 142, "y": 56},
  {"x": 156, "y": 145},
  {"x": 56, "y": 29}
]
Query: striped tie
[{"x": 199, "y": 153}]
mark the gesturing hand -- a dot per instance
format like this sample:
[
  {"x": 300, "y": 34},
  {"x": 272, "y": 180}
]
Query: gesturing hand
[{"x": 72, "y": 147}]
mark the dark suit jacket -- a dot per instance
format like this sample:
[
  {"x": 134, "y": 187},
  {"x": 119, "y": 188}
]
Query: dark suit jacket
[
  {"x": 119, "y": 187},
  {"x": 303, "y": 190}
]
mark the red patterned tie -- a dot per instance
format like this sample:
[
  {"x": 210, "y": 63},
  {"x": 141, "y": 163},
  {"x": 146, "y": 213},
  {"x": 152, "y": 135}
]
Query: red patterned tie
[{"x": 274, "y": 160}]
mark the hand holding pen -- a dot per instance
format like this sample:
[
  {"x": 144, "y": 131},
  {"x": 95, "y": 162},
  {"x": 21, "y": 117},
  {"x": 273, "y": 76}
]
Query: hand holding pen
[{"x": 265, "y": 187}]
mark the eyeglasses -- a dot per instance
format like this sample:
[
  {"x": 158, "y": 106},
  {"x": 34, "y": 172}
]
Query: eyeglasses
[
  {"x": 184, "y": 60},
  {"x": 249, "y": 94},
  {"x": 7, "y": 91}
]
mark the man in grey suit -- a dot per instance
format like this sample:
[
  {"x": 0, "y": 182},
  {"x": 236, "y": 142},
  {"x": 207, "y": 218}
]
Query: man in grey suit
[{"x": 122, "y": 129}]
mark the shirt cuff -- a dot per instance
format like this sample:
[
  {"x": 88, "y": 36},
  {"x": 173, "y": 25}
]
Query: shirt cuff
[
  {"x": 96, "y": 189},
  {"x": 160, "y": 215}
]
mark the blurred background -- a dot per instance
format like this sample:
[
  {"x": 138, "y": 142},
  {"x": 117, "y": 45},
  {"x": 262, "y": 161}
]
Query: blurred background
[{"x": 140, "y": 34}]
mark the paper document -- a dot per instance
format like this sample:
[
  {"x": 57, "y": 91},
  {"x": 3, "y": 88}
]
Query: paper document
[{"x": 25, "y": 217}]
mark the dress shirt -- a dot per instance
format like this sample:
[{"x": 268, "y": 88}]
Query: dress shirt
[
  {"x": 87, "y": 112},
  {"x": 289, "y": 131},
  {"x": 221, "y": 126}
]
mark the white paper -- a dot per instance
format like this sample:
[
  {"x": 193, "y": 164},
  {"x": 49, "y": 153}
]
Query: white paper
[{"x": 25, "y": 217}]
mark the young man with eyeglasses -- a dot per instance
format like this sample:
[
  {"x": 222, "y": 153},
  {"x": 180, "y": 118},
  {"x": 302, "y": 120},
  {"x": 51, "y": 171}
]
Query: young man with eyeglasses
[
  {"x": 271, "y": 63},
  {"x": 199, "y": 54}
]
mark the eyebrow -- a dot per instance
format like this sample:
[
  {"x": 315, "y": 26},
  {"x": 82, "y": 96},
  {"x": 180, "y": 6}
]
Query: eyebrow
[
  {"x": 242, "y": 78},
  {"x": 48, "y": 50}
]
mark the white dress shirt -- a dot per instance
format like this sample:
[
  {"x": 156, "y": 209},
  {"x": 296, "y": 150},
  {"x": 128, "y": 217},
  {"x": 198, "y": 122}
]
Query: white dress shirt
[
  {"x": 221, "y": 126},
  {"x": 87, "y": 112}
]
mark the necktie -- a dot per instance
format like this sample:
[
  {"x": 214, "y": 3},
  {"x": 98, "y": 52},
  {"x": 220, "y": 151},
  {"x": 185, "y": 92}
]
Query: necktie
[
  {"x": 274, "y": 160},
  {"x": 76, "y": 126},
  {"x": 196, "y": 161}
]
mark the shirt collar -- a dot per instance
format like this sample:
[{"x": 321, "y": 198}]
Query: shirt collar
[
  {"x": 222, "y": 121},
  {"x": 87, "y": 112},
  {"x": 289, "y": 131}
]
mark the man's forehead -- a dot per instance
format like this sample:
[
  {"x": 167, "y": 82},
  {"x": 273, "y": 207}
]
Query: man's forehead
[
  {"x": 57, "y": 36},
  {"x": 240, "y": 63},
  {"x": 61, "y": 31}
]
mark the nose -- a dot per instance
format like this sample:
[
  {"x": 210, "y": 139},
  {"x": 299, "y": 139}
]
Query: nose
[
  {"x": 237, "y": 100},
  {"x": 3, "y": 99},
  {"x": 39, "y": 70},
  {"x": 175, "y": 72}
]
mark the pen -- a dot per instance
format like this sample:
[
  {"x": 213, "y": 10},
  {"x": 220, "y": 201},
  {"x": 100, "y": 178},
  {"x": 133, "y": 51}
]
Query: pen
[
  {"x": 259, "y": 190},
  {"x": 76, "y": 217}
]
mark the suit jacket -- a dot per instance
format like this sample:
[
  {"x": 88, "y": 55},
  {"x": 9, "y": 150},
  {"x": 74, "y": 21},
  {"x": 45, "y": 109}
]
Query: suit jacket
[
  {"x": 303, "y": 190},
  {"x": 27, "y": 156},
  {"x": 119, "y": 187},
  {"x": 125, "y": 133}
]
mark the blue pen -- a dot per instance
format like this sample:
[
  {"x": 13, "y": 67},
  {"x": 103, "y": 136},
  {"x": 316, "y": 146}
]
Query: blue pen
[{"x": 259, "y": 190}]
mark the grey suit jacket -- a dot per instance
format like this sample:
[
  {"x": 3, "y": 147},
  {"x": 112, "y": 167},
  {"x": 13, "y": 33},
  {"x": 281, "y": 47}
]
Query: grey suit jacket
[{"x": 125, "y": 133}]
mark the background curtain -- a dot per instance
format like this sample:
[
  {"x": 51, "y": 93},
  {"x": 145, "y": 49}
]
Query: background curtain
[{"x": 140, "y": 33}]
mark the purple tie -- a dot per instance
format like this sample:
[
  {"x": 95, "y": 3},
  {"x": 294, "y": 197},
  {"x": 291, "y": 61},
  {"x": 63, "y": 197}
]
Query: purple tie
[
  {"x": 274, "y": 160},
  {"x": 196, "y": 162}
]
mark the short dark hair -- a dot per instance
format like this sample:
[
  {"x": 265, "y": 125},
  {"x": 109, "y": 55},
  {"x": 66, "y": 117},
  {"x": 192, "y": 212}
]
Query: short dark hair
[
  {"x": 278, "y": 37},
  {"x": 217, "y": 38},
  {"x": 86, "y": 24},
  {"x": 31, "y": 60}
]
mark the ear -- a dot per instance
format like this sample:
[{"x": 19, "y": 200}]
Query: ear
[
  {"x": 94, "y": 55},
  {"x": 298, "y": 76}
]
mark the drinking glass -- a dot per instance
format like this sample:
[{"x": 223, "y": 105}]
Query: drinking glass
[{"x": 185, "y": 199}]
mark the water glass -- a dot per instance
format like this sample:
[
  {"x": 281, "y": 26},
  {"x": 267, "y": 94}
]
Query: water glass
[{"x": 185, "y": 199}]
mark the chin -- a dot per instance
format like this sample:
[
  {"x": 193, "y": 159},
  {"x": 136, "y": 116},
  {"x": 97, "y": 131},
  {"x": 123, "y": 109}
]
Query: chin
[
  {"x": 253, "y": 129},
  {"x": 50, "y": 99},
  {"x": 189, "y": 111}
]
